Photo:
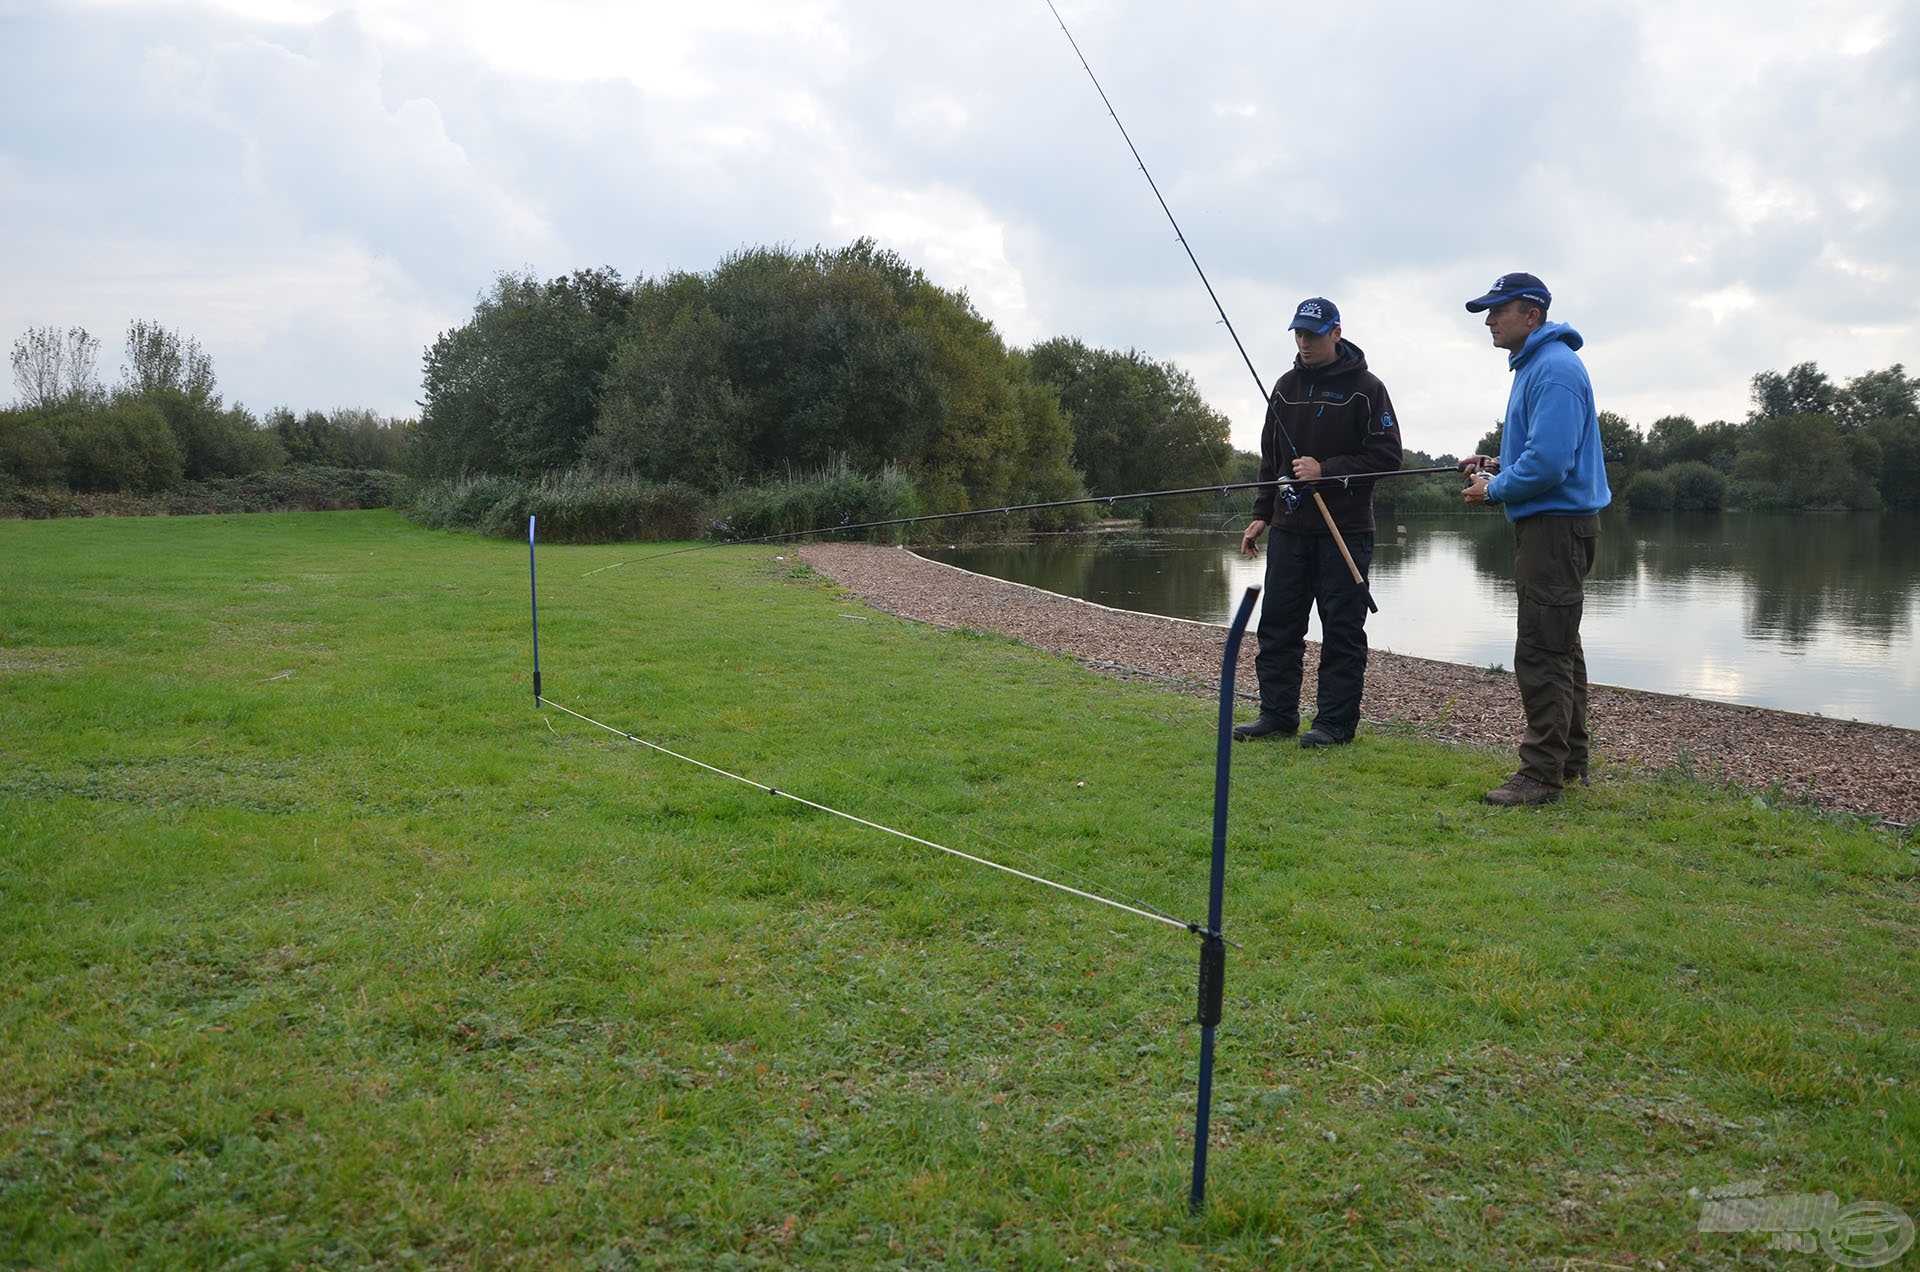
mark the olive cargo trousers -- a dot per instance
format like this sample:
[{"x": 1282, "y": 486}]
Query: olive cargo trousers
[{"x": 1552, "y": 556}]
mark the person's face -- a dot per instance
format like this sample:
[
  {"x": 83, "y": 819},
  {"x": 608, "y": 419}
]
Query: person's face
[
  {"x": 1511, "y": 322},
  {"x": 1317, "y": 351}
]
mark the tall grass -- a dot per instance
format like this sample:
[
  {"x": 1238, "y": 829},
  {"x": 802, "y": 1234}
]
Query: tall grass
[
  {"x": 588, "y": 507},
  {"x": 830, "y": 497}
]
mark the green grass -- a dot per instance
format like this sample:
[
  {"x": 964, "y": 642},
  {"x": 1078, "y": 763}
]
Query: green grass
[{"x": 326, "y": 949}]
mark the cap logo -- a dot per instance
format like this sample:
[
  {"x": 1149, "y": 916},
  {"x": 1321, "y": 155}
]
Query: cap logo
[{"x": 1311, "y": 310}]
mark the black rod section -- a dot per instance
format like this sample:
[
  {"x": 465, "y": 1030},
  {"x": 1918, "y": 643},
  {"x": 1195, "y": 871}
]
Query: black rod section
[
  {"x": 1213, "y": 949},
  {"x": 1220, "y": 488},
  {"x": 534, "y": 585}
]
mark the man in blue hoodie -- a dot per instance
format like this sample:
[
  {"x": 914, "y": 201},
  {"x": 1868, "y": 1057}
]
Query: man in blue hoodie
[{"x": 1551, "y": 480}]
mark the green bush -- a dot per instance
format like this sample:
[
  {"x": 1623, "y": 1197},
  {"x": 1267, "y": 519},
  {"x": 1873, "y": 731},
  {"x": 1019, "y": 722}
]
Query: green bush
[
  {"x": 573, "y": 507},
  {"x": 346, "y": 438},
  {"x": 300, "y": 489},
  {"x": 306, "y": 488},
  {"x": 456, "y": 503},
  {"x": 1696, "y": 487},
  {"x": 587, "y": 507},
  {"x": 834, "y": 496},
  {"x": 581, "y": 507},
  {"x": 217, "y": 442},
  {"x": 30, "y": 450},
  {"x": 1418, "y": 497},
  {"x": 1790, "y": 463},
  {"x": 1899, "y": 440},
  {"x": 126, "y": 446},
  {"x": 1649, "y": 492}
]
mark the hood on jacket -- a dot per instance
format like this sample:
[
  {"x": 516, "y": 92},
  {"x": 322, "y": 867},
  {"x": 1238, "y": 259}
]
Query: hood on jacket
[
  {"x": 1348, "y": 357},
  {"x": 1548, "y": 333}
]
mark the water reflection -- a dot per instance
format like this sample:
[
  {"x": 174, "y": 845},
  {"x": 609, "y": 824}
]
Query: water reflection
[{"x": 1804, "y": 613}]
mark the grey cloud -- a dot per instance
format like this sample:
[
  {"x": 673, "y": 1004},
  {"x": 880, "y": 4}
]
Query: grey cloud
[{"x": 1401, "y": 152}]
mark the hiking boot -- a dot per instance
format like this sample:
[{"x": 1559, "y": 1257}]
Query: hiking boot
[
  {"x": 1521, "y": 789},
  {"x": 1320, "y": 737},
  {"x": 1264, "y": 727}
]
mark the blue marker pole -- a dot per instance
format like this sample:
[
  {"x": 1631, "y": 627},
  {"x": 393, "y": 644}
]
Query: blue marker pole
[
  {"x": 1213, "y": 947},
  {"x": 534, "y": 584}
]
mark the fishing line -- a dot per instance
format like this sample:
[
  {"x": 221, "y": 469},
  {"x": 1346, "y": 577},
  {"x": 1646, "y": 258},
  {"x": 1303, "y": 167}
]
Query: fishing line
[
  {"x": 1142, "y": 909},
  {"x": 1326, "y": 514},
  {"x": 1213, "y": 942},
  {"x": 1167, "y": 919},
  {"x": 1052, "y": 866},
  {"x": 1177, "y": 233},
  {"x": 1218, "y": 489}
]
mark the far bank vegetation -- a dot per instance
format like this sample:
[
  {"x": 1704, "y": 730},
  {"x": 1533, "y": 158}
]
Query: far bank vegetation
[
  {"x": 783, "y": 391},
  {"x": 162, "y": 439}
]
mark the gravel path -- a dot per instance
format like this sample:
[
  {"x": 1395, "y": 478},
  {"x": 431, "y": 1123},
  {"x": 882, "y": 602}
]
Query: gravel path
[{"x": 1859, "y": 768}]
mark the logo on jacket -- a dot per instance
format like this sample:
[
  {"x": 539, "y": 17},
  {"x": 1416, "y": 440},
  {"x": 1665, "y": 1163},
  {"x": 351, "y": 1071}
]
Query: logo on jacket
[{"x": 1386, "y": 420}]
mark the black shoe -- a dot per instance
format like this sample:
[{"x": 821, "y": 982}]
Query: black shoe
[
  {"x": 1263, "y": 727},
  {"x": 1320, "y": 737}
]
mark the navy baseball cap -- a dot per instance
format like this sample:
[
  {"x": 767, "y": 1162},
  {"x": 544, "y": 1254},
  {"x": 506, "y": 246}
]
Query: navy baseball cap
[
  {"x": 1512, "y": 287},
  {"x": 1318, "y": 315}
]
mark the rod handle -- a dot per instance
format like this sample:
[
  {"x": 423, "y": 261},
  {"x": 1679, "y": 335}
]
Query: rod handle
[{"x": 1339, "y": 540}]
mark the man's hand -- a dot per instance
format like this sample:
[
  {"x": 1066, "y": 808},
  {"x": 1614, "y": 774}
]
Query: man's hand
[
  {"x": 1250, "y": 541},
  {"x": 1306, "y": 468},
  {"x": 1479, "y": 464},
  {"x": 1476, "y": 491}
]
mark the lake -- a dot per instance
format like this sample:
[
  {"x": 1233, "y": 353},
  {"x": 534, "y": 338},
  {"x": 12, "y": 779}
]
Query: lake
[{"x": 1804, "y": 613}]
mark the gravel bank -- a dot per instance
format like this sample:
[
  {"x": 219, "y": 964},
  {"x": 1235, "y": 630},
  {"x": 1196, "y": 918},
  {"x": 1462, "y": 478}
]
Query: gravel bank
[{"x": 1859, "y": 768}]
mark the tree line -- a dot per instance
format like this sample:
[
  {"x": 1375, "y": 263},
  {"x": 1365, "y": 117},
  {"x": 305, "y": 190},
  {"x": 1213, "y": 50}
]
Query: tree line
[
  {"x": 1807, "y": 444},
  {"x": 838, "y": 384},
  {"x": 777, "y": 364},
  {"x": 164, "y": 422}
]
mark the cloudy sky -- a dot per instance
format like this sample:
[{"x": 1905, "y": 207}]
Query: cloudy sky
[{"x": 1711, "y": 189}]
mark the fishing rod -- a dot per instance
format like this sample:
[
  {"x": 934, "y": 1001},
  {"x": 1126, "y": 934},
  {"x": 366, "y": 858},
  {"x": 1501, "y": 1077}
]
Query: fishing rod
[
  {"x": 1267, "y": 394},
  {"x": 1217, "y": 489}
]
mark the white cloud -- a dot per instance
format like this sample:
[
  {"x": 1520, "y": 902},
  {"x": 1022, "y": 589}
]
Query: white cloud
[
  {"x": 1711, "y": 190},
  {"x": 955, "y": 241},
  {"x": 1726, "y": 301}
]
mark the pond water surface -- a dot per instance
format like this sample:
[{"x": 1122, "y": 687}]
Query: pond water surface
[{"x": 1802, "y": 613}]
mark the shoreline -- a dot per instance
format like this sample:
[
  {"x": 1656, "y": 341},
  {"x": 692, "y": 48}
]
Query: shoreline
[{"x": 1869, "y": 770}]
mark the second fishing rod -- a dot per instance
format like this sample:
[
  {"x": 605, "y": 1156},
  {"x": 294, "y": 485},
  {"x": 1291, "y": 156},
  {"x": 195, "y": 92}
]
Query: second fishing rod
[{"x": 1293, "y": 451}]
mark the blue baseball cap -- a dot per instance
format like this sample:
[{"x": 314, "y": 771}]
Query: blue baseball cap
[
  {"x": 1512, "y": 287},
  {"x": 1318, "y": 315}
]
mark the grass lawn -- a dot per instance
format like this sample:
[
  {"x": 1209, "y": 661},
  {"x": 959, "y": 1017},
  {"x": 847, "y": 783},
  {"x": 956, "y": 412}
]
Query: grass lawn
[{"x": 325, "y": 948}]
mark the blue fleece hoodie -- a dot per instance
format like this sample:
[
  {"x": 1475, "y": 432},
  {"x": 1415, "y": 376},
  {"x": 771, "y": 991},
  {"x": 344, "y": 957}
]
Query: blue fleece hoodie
[{"x": 1550, "y": 458}]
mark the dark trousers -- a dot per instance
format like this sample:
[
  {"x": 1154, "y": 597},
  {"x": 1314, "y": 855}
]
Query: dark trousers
[
  {"x": 1552, "y": 557},
  {"x": 1304, "y": 571}
]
